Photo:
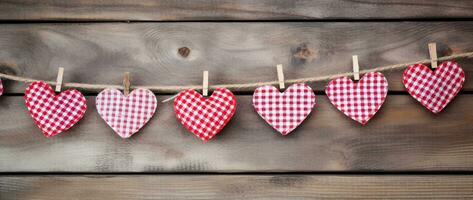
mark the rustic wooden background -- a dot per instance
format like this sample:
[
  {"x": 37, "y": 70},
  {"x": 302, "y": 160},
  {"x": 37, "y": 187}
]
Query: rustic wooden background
[{"x": 404, "y": 152}]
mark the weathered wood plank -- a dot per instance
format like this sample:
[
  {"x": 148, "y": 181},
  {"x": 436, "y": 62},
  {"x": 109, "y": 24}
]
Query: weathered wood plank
[
  {"x": 169, "y": 10},
  {"x": 232, "y": 52},
  {"x": 236, "y": 187},
  {"x": 402, "y": 136}
]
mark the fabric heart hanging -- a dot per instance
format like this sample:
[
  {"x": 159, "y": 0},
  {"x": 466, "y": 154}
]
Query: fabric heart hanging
[
  {"x": 54, "y": 113},
  {"x": 434, "y": 89},
  {"x": 359, "y": 101},
  {"x": 284, "y": 111},
  {"x": 1, "y": 87},
  {"x": 126, "y": 115},
  {"x": 205, "y": 117}
]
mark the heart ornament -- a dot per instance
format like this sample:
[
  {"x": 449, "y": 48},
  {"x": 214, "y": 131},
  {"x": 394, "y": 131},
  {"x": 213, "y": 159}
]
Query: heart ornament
[
  {"x": 54, "y": 113},
  {"x": 126, "y": 115},
  {"x": 1, "y": 87},
  {"x": 284, "y": 111},
  {"x": 434, "y": 89},
  {"x": 205, "y": 117},
  {"x": 359, "y": 101}
]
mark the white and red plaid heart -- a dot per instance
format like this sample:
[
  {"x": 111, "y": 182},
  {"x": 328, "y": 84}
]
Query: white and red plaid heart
[
  {"x": 359, "y": 101},
  {"x": 284, "y": 111},
  {"x": 54, "y": 113},
  {"x": 434, "y": 90},
  {"x": 126, "y": 115},
  {"x": 205, "y": 117}
]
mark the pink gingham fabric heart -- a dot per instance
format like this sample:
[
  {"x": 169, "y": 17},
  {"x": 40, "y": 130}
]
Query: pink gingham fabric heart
[
  {"x": 434, "y": 89},
  {"x": 205, "y": 117},
  {"x": 284, "y": 111},
  {"x": 359, "y": 101},
  {"x": 54, "y": 113},
  {"x": 1, "y": 87},
  {"x": 126, "y": 115}
]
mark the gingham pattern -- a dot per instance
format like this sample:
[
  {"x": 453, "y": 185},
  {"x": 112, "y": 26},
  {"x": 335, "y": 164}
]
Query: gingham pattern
[
  {"x": 284, "y": 111},
  {"x": 205, "y": 117},
  {"x": 54, "y": 113},
  {"x": 359, "y": 101},
  {"x": 1, "y": 87},
  {"x": 434, "y": 90},
  {"x": 126, "y": 115}
]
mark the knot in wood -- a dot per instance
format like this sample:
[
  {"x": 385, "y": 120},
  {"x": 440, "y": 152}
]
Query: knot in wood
[
  {"x": 184, "y": 51},
  {"x": 305, "y": 53}
]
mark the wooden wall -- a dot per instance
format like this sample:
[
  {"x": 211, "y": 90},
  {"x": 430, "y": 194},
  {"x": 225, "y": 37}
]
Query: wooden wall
[{"x": 403, "y": 152}]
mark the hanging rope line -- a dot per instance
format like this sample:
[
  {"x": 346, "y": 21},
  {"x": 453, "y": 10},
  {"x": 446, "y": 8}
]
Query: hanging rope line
[{"x": 160, "y": 88}]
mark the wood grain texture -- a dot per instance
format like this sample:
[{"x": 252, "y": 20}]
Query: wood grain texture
[
  {"x": 231, "y": 52},
  {"x": 402, "y": 136},
  {"x": 168, "y": 10},
  {"x": 236, "y": 187}
]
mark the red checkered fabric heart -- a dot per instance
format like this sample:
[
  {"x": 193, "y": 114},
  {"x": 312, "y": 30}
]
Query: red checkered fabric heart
[
  {"x": 126, "y": 115},
  {"x": 1, "y": 87},
  {"x": 54, "y": 113},
  {"x": 434, "y": 90},
  {"x": 284, "y": 111},
  {"x": 361, "y": 100},
  {"x": 205, "y": 117}
]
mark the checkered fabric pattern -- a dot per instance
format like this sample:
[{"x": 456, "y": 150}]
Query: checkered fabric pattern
[
  {"x": 359, "y": 101},
  {"x": 284, "y": 111},
  {"x": 434, "y": 90},
  {"x": 54, "y": 113},
  {"x": 205, "y": 117},
  {"x": 1, "y": 87},
  {"x": 126, "y": 115}
]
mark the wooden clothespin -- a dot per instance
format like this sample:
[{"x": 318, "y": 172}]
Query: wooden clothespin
[
  {"x": 433, "y": 55},
  {"x": 280, "y": 76},
  {"x": 60, "y": 74},
  {"x": 356, "y": 68},
  {"x": 126, "y": 83},
  {"x": 205, "y": 84}
]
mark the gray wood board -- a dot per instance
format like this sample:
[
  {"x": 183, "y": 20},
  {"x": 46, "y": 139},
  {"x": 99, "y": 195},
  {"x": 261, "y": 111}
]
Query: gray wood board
[
  {"x": 168, "y": 10},
  {"x": 236, "y": 187},
  {"x": 403, "y": 136},
  {"x": 232, "y": 52}
]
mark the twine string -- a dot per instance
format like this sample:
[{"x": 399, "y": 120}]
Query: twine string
[{"x": 173, "y": 89}]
